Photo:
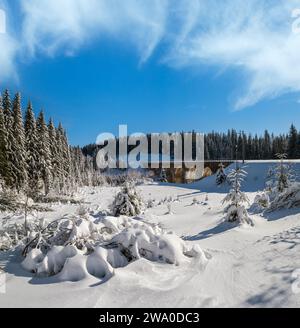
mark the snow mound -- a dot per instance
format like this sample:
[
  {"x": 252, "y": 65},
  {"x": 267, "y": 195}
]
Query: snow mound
[
  {"x": 261, "y": 203},
  {"x": 81, "y": 248},
  {"x": 238, "y": 214},
  {"x": 143, "y": 241},
  {"x": 289, "y": 198}
]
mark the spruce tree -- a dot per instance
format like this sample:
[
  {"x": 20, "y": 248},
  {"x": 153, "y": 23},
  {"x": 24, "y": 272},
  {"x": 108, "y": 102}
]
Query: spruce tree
[
  {"x": 292, "y": 143},
  {"x": 45, "y": 165},
  {"x": 54, "y": 155},
  {"x": 236, "y": 211},
  {"x": 32, "y": 151},
  {"x": 221, "y": 175},
  {"x": 283, "y": 173},
  {"x": 3, "y": 145},
  {"x": 18, "y": 149},
  {"x": 60, "y": 179},
  {"x": 8, "y": 122}
]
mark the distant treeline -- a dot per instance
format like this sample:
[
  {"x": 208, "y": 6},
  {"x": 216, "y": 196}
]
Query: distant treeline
[{"x": 228, "y": 146}]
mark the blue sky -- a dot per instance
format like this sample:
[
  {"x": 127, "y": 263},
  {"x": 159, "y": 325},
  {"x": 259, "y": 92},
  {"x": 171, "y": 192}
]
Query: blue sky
[{"x": 154, "y": 65}]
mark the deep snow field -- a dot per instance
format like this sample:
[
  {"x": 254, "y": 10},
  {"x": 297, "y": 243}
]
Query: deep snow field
[{"x": 246, "y": 267}]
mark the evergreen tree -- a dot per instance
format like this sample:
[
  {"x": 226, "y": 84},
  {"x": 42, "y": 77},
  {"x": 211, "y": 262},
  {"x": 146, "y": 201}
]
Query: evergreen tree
[
  {"x": 221, "y": 175},
  {"x": 282, "y": 173},
  {"x": 236, "y": 211},
  {"x": 3, "y": 145},
  {"x": 32, "y": 151},
  {"x": 18, "y": 145},
  {"x": 127, "y": 202},
  {"x": 292, "y": 142},
  {"x": 55, "y": 156},
  {"x": 8, "y": 121},
  {"x": 267, "y": 149},
  {"x": 45, "y": 165},
  {"x": 36, "y": 157},
  {"x": 62, "y": 165}
]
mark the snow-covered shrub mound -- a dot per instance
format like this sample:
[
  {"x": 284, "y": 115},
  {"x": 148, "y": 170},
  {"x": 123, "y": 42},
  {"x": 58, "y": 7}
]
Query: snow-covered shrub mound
[
  {"x": 80, "y": 248},
  {"x": 238, "y": 214},
  {"x": 80, "y": 232},
  {"x": 127, "y": 202},
  {"x": 150, "y": 242},
  {"x": 289, "y": 198},
  {"x": 261, "y": 203},
  {"x": 15, "y": 231}
]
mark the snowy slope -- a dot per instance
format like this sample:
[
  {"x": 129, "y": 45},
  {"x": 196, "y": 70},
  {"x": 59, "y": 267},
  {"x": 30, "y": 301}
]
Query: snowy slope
[
  {"x": 250, "y": 267},
  {"x": 255, "y": 181}
]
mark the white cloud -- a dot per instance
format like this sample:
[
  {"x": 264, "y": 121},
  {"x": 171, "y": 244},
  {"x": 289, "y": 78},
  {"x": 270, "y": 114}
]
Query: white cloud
[
  {"x": 253, "y": 37},
  {"x": 8, "y": 53},
  {"x": 52, "y": 26},
  {"x": 8, "y": 46}
]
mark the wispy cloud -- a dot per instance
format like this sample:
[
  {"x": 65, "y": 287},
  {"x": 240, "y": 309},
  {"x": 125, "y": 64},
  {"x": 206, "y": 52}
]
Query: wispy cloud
[
  {"x": 8, "y": 45},
  {"x": 253, "y": 37},
  {"x": 51, "y": 27}
]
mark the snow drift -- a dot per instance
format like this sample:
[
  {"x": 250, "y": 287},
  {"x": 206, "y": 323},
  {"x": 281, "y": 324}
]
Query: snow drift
[{"x": 84, "y": 246}]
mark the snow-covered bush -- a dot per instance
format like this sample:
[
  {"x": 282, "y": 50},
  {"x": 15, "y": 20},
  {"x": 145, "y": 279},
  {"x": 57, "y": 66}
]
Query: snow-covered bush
[
  {"x": 221, "y": 176},
  {"x": 260, "y": 203},
  {"x": 78, "y": 231},
  {"x": 282, "y": 190},
  {"x": 127, "y": 202},
  {"x": 238, "y": 214},
  {"x": 16, "y": 231},
  {"x": 281, "y": 176},
  {"x": 111, "y": 243},
  {"x": 151, "y": 203},
  {"x": 151, "y": 243},
  {"x": 288, "y": 198},
  {"x": 236, "y": 211}
]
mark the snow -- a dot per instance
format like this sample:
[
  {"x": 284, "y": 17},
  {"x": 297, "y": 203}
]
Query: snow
[{"x": 219, "y": 264}]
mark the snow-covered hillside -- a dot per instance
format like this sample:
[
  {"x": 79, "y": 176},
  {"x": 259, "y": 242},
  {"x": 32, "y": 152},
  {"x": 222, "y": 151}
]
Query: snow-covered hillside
[
  {"x": 246, "y": 266},
  {"x": 255, "y": 180}
]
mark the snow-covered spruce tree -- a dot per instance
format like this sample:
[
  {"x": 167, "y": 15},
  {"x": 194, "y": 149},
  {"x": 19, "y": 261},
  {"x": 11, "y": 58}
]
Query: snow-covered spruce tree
[
  {"x": 66, "y": 158},
  {"x": 32, "y": 152},
  {"x": 284, "y": 191},
  {"x": 127, "y": 202},
  {"x": 282, "y": 173},
  {"x": 3, "y": 147},
  {"x": 221, "y": 176},
  {"x": 18, "y": 146},
  {"x": 63, "y": 160},
  {"x": 76, "y": 179},
  {"x": 8, "y": 122},
  {"x": 236, "y": 211},
  {"x": 59, "y": 181},
  {"x": 45, "y": 165},
  {"x": 53, "y": 154}
]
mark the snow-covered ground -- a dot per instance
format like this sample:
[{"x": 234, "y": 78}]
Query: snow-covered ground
[{"x": 247, "y": 266}]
